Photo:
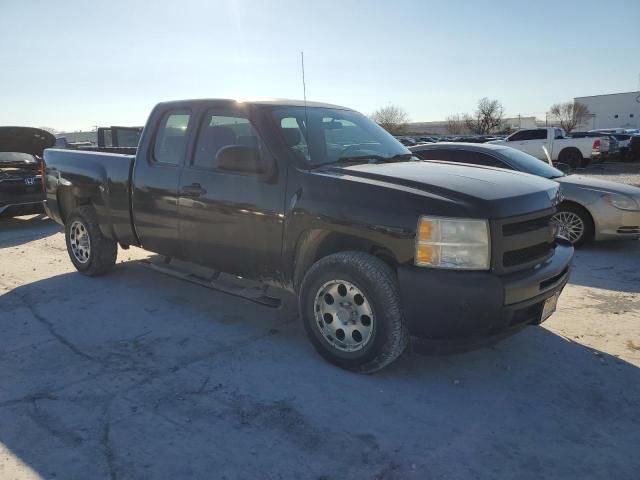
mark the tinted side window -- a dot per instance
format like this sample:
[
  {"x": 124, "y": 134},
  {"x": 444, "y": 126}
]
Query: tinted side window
[
  {"x": 518, "y": 136},
  {"x": 171, "y": 140},
  {"x": 219, "y": 131},
  {"x": 432, "y": 154},
  {"x": 476, "y": 158},
  {"x": 538, "y": 134}
]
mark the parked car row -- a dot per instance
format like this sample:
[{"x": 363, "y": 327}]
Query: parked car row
[
  {"x": 591, "y": 209},
  {"x": 612, "y": 144},
  {"x": 410, "y": 141}
]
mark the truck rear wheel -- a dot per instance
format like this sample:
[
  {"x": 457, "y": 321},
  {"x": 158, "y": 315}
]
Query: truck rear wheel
[
  {"x": 91, "y": 252},
  {"x": 350, "y": 306},
  {"x": 572, "y": 157}
]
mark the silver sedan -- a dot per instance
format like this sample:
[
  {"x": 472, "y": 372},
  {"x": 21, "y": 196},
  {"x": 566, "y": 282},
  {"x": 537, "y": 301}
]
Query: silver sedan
[{"x": 592, "y": 209}]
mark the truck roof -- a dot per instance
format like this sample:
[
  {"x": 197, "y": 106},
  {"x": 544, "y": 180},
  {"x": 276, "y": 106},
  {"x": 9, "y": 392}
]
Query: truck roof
[{"x": 285, "y": 102}]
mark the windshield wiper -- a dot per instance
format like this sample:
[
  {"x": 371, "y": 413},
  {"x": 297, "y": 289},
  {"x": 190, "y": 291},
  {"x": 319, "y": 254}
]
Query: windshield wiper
[{"x": 368, "y": 159}]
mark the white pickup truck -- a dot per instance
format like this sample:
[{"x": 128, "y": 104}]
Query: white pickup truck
[{"x": 575, "y": 152}]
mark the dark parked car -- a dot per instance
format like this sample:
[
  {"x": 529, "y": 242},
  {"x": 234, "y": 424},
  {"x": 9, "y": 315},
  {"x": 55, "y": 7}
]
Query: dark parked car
[
  {"x": 319, "y": 200},
  {"x": 20, "y": 169},
  {"x": 591, "y": 209}
]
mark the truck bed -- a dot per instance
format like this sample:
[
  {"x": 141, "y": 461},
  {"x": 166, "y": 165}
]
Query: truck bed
[{"x": 102, "y": 179}]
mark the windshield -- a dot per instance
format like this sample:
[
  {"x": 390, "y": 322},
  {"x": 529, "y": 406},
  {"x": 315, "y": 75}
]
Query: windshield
[
  {"x": 529, "y": 164},
  {"x": 334, "y": 135},
  {"x": 10, "y": 157}
]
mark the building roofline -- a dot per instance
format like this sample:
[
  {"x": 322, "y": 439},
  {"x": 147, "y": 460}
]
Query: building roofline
[{"x": 608, "y": 94}]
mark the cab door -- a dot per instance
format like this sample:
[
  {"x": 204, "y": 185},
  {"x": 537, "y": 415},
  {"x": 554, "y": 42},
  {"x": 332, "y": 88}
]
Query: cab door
[
  {"x": 231, "y": 219},
  {"x": 156, "y": 178}
]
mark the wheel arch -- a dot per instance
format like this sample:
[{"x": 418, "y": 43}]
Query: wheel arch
[
  {"x": 316, "y": 244},
  {"x": 68, "y": 200},
  {"x": 567, "y": 151}
]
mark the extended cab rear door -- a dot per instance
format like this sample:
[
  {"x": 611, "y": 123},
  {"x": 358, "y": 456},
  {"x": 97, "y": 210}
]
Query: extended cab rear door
[
  {"x": 231, "y": 216},
  {"x": 156, "y": 176}
]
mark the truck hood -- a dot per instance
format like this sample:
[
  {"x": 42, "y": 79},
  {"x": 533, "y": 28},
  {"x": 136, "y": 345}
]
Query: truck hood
[
  {"x": 490, "y": 192},
  {"x": 25, "y": 140}
]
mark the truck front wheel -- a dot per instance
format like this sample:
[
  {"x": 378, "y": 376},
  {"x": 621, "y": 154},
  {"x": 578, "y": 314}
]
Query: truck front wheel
[
  {"x": 91, "y": 252},
  {"x": 350, "y": 306}
]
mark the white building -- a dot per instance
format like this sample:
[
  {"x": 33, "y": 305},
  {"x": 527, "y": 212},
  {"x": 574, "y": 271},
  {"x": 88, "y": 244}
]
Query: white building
[{"x": 615, "y": 110}]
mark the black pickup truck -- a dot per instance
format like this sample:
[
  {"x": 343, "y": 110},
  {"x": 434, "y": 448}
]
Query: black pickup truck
[{"x": 319, "y": 200}]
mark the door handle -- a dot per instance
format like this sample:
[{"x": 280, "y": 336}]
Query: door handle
[{"x": 193, "y": 190}]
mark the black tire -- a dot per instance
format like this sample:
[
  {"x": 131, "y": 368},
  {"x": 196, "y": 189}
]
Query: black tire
[
  {"x": 572, "y": 157},
  {"x": 102, "y": 252},
  {"x": 377, "y": 282},
  {"x": 585, "y": 216}
]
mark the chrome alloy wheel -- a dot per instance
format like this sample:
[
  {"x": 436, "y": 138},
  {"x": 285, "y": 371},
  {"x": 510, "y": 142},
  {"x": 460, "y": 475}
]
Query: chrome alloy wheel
[
  {"x": 570, "y": 226},
  {"x": 344, "y": 316},
  {"x": 80, "y": 242}
]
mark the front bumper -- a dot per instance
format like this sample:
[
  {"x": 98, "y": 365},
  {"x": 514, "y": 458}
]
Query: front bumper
[
  {"x": 614, "y": 224},
  {"x": 445, "y": 304}
]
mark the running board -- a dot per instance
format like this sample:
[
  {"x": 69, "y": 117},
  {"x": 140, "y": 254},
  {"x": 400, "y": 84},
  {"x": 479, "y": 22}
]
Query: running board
[{"x": 213, "y": 279}]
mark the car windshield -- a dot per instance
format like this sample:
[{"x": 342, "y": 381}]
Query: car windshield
[
  {"x": 11, "y": 157},
  {"x": 529, "y": 164},
  {"x": 319, "y": 136}
]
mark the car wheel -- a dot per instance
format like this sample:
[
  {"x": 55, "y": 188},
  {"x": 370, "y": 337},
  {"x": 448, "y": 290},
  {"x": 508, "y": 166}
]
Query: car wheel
[
  {"x": 574, "y": 224},
  {"x": 91, "y": 252},
  {"x": 571, "y": 157},
  {"x": 350, "y": 306}
]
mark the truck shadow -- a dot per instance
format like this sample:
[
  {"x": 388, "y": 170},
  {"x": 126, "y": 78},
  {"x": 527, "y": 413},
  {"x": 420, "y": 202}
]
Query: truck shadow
[
  {"x": 612, "y": 265},
  {"x": 18, "y": 230},
  {"x": 140, "y": 375}
]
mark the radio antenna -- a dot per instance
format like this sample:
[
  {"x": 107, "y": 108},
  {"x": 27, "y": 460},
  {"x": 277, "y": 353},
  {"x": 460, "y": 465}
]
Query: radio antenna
[
  {"x": 304, "y": 95},
  {"x": 304, "y": 84}
]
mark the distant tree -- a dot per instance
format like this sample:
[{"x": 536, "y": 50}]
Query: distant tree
[
  {"x": 487, "y": 117},
  {"x": 392, "y": 118},
  {"x": 53, "y": 131},
  {"x": 570, "y": 114},
  {"x": 455, "y": 124}
]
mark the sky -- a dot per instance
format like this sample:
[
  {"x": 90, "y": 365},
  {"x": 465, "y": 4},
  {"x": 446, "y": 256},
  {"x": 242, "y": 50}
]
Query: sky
[{"x": 72, "y": 65}]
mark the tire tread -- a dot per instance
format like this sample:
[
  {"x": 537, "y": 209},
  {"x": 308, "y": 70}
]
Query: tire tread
[{"x": 384, "y": 281}]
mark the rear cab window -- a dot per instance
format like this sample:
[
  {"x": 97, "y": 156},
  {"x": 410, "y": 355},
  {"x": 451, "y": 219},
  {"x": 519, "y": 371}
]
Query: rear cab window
[{"x": 170, "y": 145}]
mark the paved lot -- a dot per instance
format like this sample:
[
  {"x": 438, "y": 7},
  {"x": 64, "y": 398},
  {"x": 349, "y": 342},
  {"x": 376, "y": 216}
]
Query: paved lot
[
  {"x": 623, "y": 172},
  {"x": 138, "y": 375}
]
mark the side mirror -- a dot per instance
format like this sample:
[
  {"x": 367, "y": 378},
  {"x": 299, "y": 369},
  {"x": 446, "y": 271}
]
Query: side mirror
[{"x": 240, "y": 158}]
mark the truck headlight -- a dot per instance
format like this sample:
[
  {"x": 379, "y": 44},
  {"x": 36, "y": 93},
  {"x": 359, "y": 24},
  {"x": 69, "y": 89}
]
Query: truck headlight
[
  {"x": 453, "y": 243},
  {"x": 621, "y": 202}
]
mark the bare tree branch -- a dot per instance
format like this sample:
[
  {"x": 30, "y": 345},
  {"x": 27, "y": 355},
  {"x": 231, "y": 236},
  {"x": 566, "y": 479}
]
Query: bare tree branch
[
  {"x": 455, "y": 124},
  {"x": 570, "y": 114},
  {"x": 487, "y": 117},
  {"x": 392, "y": 118}
]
